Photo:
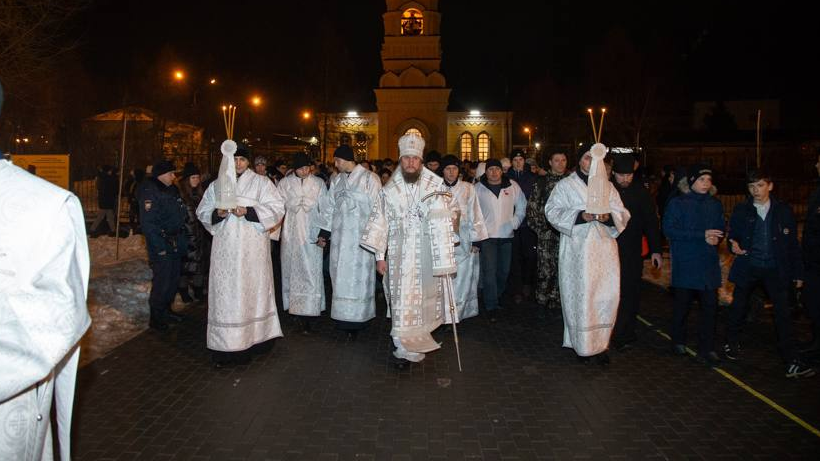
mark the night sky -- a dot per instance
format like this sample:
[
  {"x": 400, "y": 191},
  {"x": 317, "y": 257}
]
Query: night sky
[{"x": 526, "y": 56}]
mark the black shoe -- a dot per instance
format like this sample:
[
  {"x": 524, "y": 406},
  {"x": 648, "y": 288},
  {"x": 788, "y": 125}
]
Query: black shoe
[
  {"x": 159, "y": 326},
  {"x": 710, "y": 359},
  {"x": 731, "y": 351},
  {"x": 798, "y": 369},
  {"x": 679, "y": 350},
  {"x": 492, "y": 316},
  {"x": 602, "y": 359},
  {"x": 352, "y": 335},
  {"x": 584, "y": 360},
  {"x": 173, "y": 317}
]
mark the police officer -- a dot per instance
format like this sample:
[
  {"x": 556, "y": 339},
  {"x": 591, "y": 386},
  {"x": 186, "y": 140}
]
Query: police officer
[{"x": 162, "y": 214}]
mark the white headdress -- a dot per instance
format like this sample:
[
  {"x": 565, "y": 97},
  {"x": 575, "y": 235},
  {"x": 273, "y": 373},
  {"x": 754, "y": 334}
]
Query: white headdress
[{"x": 411, "y": 144}]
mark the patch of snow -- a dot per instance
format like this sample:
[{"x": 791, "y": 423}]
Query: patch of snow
[{"x": 117, "y": 295}]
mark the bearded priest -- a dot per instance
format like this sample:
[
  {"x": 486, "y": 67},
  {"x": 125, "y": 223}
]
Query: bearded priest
[{"x": 411, "y": 232}]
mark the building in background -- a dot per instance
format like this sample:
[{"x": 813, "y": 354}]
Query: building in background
[{"x": 413, "y": 96}]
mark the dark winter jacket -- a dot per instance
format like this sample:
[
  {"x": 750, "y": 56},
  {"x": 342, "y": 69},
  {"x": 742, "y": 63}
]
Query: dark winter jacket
[
  {"x": 695, "y": 263},
  {"x": 107, "y": 185},
  {"x": 192, "y": 261},
  {"x": 643, "y": 221},
  {"x": 782, "y": 236},
  {"x": 811, "y": 234},
  {"x": 162, "y": 215}
]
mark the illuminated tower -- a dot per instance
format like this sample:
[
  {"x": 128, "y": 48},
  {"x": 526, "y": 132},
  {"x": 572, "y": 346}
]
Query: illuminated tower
[{"x": 412, "y": 93}]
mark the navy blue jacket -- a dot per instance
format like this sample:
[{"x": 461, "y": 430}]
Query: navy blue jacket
[
  {"x": 162, "y": 216},
  {"x": 783, "y": 239},
  {"x": 695, "y": 263}
]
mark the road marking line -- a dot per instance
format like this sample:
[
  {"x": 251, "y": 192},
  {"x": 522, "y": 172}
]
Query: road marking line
[{"x": 744, "y": 386}]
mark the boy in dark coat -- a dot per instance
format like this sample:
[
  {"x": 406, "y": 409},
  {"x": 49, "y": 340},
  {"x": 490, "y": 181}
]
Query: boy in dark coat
[
  {"x": 693, "y": 224},
  {"x": 763, "y": 238}
]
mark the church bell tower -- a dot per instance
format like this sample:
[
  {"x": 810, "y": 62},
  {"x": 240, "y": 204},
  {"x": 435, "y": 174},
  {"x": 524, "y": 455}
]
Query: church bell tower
[{"x": 412, "y": 92}]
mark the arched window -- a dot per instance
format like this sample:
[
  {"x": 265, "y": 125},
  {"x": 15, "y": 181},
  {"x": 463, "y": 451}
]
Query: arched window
[
  {"x": 414, "y": 131},
  {"x": 483, "y": 147},
  {"x": 466, "y": 141},
  {"x": 412, "y": 22}
]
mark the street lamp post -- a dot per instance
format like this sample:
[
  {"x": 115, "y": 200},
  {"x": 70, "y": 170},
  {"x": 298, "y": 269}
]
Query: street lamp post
[
  {"x": 306, "y": 116},
  {"x": 529, "y": 137}
]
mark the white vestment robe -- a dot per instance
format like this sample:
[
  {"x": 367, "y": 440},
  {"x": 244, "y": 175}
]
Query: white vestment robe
[
  {"x": 44, "y": 269},
  {"x": 241, "y": 301},
  {"x": 303, "y": 287},
  {"x": 418, "y": 238},
  {"x": 588, "y": 266},
  {"x": 470, "y": 229},
  {"x": 352, "y": 269}
]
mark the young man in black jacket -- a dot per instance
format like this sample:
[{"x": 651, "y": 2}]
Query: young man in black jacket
[{"x": 763, "y": 238}]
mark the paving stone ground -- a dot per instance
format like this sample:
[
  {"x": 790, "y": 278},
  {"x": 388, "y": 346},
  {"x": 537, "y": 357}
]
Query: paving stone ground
[{"x": 520, "y": 397}]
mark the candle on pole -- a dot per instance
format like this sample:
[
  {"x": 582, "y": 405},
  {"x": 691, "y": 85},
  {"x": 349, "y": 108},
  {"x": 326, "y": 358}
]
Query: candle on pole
[
  {"x": 601, "y": 126},
  {"x": 592, "y": 122}
]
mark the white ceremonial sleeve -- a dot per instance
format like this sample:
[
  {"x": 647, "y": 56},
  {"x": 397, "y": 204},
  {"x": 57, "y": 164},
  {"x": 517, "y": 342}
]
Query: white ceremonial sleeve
[
  {"x": 270, "y": 208},
  {"x": 560, "y": 210},
  {"x": 374, "y": 237},
  {"x": 205, "y": 211},
  {"x": 43, "y": 313},
  {"x": 479, "y": 230},
  {"x": 327, "y": 206}
]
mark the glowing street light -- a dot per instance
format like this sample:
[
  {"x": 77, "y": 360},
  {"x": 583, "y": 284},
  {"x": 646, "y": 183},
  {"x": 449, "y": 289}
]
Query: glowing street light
[
  {"x": 306, "y": 115},
  {"x": 179, "y": 75},
  {"x": 256, "y": 101},
  {"x": 529, "y": 135},
  {"x": 212, "y": 81}
]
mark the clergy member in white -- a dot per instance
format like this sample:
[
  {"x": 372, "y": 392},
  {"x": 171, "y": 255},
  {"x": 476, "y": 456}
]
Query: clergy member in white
[
  {"x": 44, "y": 269},
  {"x": 345, "y": 210},
  {"x": 412, "y": 226},
  {"x": 588, "y": 265},
  {"x": 471, "y": 231},
  {"x": 241, "y": 302},
  {"x": 303, "y": 288}
]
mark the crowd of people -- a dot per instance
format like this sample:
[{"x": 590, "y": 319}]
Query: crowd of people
[{"x": 430, "y": 232}]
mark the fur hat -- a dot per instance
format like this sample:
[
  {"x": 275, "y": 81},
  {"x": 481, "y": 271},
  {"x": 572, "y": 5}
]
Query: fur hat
[
  {"x": 190, "y": 169},
  {"x": 162, "y": 167},
  {"x": 299, "y": 160},
  {"x": 344, "y": 152},
  {"x": 491, "y": 163},
  {"x": 448, "y": 160}
]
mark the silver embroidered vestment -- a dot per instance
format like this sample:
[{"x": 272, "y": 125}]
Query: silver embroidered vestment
[
  {"x": 470, "y": 229},
  {"x": 418, "y": 239},
  {"x": 344, "y": 213},
  {"x": 588, "y": 266},
  {"x": 303, "y": 288},
  {"x": 241, "y": 301}
]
